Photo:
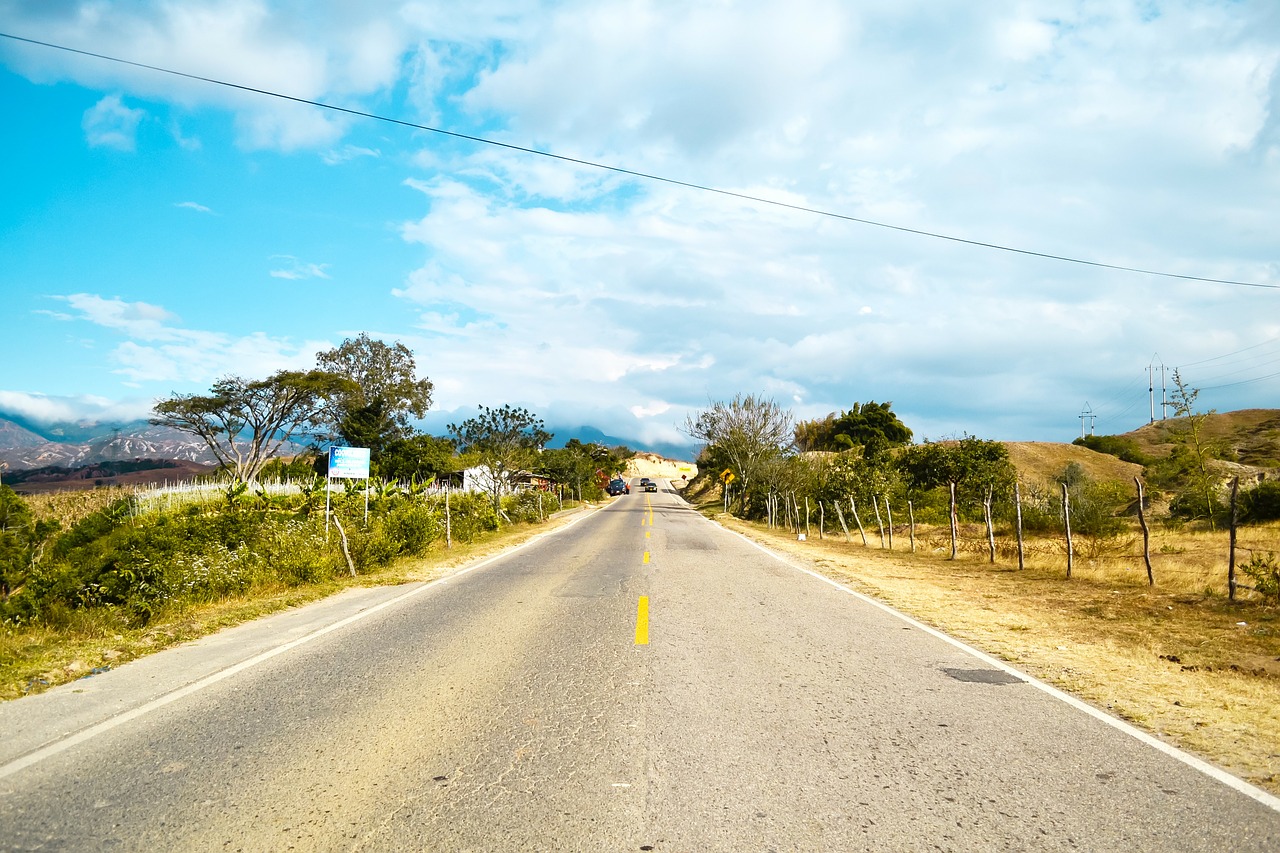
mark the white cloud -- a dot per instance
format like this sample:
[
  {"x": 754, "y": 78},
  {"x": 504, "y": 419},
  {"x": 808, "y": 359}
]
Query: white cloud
[
  {"x": 346, "y": 153},
  {"x": 47, "y": 409},
  {"x": 110, "y": 124},
  {"x": 296, "y": 270},
  {"x": 191, "y": 205}
]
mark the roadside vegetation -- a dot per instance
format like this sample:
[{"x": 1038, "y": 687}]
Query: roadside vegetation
[
  {"x": 91, "y": 578},
  {"x": 933, "y": 529}
]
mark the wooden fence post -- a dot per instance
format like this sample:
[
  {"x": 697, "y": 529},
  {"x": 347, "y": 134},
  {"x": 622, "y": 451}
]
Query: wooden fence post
[
  {"x": 1231, "y": 562},
  {"x": 854, "y": 507},
  {"x": 991, "y": 532},
  {"x": 1066, "y": 521},
  {"x": 1017, "y": 502},
  {"x": 822, "y": 521},
  {"x": 955, "y": 521},
  {"x": 1146, "y": 534},
  {"x": 875, "y": 503},
  {"x": 843, "y": 526},
  {"x": 911, "y": 515},
  {"x": 888, "y": 511},
  {"x": 806, "y": 516}
]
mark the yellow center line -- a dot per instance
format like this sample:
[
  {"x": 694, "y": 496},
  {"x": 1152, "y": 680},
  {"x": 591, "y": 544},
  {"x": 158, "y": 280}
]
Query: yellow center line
[
  {"x": 646, "y": 558},
  {"x": 647, "y": 534},
  {"x": 642, "y": 621}
]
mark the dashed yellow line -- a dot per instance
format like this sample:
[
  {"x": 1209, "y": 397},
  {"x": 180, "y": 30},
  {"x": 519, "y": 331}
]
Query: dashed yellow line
[
  {"x": 642, "y": 621},
  {"x": 646, "y": 558}
]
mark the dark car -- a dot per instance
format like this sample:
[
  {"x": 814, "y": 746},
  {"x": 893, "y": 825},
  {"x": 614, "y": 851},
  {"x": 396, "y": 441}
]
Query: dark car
[
  {"x": 618, "y": 487},
  {"x": 650, "y": 486}
]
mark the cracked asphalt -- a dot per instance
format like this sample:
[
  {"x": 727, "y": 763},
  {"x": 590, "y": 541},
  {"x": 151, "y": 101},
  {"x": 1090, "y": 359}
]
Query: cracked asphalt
[{"x": 510, "y": 708}]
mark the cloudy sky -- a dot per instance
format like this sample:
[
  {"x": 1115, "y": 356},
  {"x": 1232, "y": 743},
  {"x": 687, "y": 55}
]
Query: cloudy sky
[{"x": 158, "y": 232}]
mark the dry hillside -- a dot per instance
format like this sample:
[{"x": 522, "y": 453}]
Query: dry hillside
[
  {"x": 1043, "y": 461},
  {"x": 1253, "y": 434}
]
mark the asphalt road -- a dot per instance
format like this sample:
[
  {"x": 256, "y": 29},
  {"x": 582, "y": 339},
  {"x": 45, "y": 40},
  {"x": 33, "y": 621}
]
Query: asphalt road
[{"x": 642, "y": 680}]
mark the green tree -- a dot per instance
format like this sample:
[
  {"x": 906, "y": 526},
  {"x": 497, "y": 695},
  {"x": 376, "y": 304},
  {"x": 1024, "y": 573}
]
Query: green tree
[
  {"x": 245, "y": 423},
  {"x": 747, "y": 432},
  {"x": 419, "y": 457},
  {"x": 383, "y": 395},
  {"x": 973, "y": 464},
  {"x": 506, "y": 441},
  {"x": 1198, "y": 500},
  {"x": 871, "y": 427}
]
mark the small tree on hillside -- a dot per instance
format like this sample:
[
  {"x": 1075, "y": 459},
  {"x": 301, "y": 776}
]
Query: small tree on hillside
[{"x": 1198, "y": 499}]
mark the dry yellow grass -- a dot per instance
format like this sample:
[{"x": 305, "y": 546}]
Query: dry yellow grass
[{"x": 1190, "y": 667}]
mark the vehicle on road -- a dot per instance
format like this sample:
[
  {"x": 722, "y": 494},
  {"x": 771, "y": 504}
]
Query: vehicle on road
[
  {"x": 650, "y": 486},
  {"x": 618, "y": 487}
]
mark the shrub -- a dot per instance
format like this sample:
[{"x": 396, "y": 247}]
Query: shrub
[
  {"x": 1264, "y": 571},
  {"x": 414, "y": 526},
  {"x": 1261, "y": 503},
  {"x": 471, "y": 514},
  {"x": 527, "y": 505},
  {"x": 1118, "y": 446}
]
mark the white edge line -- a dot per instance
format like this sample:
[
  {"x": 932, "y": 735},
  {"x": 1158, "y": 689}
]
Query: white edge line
[
  {"x": 1236, "y": 783},
  {"x": 51, "y": 749}
]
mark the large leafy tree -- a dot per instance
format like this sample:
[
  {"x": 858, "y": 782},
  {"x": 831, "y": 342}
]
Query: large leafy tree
[
  {"x": 873, "y": 427},
  {"x": 419, "y": 457},
  {"x": 384, "y": 393},
  {"x": 246, "y": 422},
  {"x": 973, "y": 464},
  {"x": 746, "y": 432},
  {"x": 507, "y": 441}
]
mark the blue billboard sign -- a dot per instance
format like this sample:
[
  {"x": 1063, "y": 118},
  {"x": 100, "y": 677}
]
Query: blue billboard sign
[{"x": 349, "y": 462}]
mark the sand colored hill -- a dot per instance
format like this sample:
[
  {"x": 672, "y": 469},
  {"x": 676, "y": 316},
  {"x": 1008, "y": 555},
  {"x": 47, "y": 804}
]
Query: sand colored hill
[
  {"x": 1044, "y": 460},
  {"x": 652, "y": 465}
]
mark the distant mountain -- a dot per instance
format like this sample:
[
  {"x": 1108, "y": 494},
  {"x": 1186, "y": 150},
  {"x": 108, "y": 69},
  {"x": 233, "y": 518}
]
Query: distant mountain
[
  {"x": 25, "y": 444},
  {"x": 589, "y": 435},
  {"x": 22, "y": 447}
]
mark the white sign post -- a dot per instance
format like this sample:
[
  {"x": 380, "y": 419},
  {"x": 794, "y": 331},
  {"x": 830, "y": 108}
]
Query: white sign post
[{"x": 347, "y": 463}]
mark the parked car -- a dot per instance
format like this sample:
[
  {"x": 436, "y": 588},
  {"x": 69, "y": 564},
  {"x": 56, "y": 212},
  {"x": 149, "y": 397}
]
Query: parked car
[{"x": 618, "y": 487}]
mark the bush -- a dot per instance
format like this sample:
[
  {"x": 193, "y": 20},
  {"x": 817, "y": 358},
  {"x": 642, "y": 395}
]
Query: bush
[
  {"x": 414, "y": 526},
  {"x": 1261, "y": 503},
  {"x": 1263, "y": 570},
  {"x": 528, "y": 506},
  {"x": 1120, "y": 447},
  {"x": 471, "y": 514}
]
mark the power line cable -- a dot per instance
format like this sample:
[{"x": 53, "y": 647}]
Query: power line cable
[
  {"x": 1227, "y": 355},
  {"x": 642, "y": 175}
]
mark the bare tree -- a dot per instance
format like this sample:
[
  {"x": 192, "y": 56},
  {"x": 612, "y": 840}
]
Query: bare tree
[
  {"x": 747, "y": 431},
  {"x": 246, "y": 422}
]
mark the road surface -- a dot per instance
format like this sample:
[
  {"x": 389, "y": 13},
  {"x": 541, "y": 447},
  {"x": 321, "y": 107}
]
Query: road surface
[{"x": 641, "y": 680}]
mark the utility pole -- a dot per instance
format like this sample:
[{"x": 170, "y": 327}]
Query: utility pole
[
  {"x": 1151, "y": 386},
  {"x": 1087, "y": 413}
]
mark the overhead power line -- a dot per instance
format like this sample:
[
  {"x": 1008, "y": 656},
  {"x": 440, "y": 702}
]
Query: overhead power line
[{"x": 641, "y": 175}]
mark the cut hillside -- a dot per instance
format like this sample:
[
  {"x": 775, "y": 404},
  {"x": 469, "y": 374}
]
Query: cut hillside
[
  {"x": 1043, "y": 461},
  {"x": 652, "y": 465}
]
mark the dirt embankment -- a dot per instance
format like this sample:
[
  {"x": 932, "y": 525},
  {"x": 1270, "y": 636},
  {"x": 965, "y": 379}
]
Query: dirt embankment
[{"x": 652, "y": 465}]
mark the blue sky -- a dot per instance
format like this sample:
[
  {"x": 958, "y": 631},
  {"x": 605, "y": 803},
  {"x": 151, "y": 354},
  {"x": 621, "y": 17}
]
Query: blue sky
[{"x": 158, "y": 232}]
